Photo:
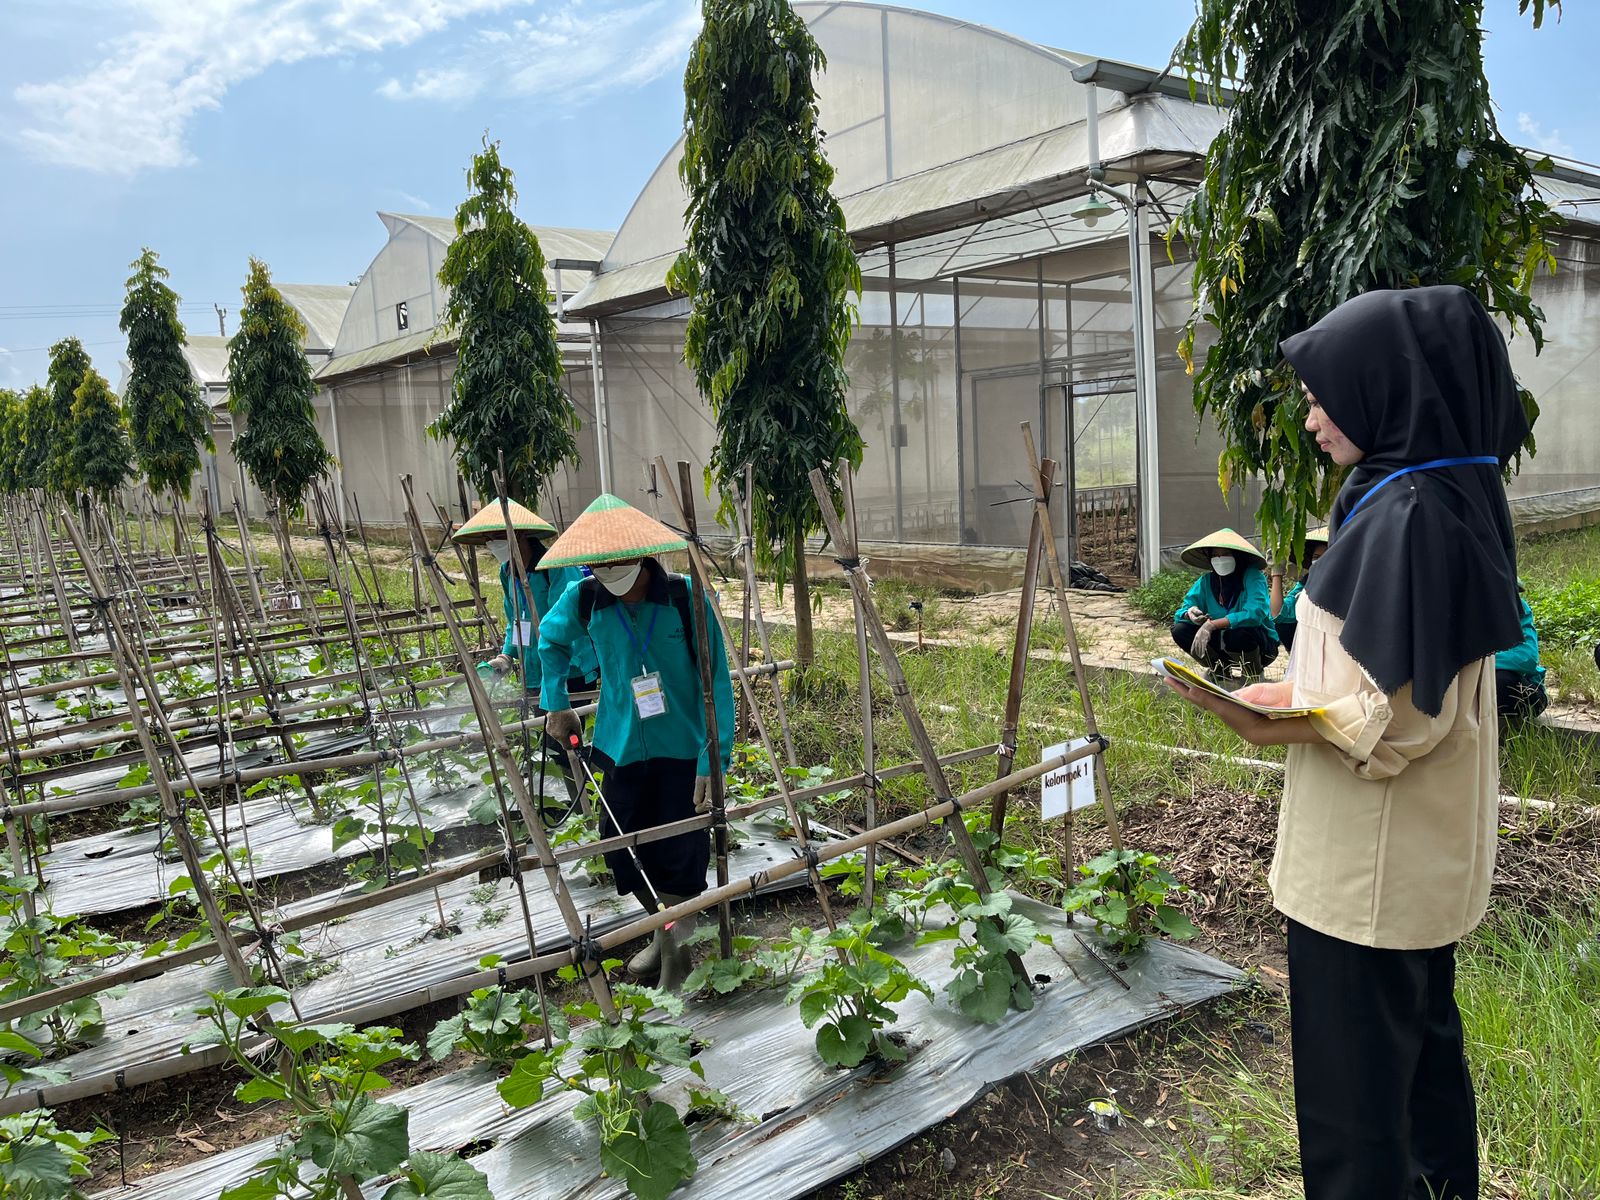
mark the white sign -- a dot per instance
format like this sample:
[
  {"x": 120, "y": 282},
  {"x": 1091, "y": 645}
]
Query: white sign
[{"x": 1068, "y": 788}]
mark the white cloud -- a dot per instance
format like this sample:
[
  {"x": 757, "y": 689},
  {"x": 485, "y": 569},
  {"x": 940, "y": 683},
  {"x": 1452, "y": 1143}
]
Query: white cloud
[
  {"x": 1550, "y": 143},
  {"x": 563, "y": 55},
  {"x": 131, "y": 110},
  {"x": 415, "y": 204}
]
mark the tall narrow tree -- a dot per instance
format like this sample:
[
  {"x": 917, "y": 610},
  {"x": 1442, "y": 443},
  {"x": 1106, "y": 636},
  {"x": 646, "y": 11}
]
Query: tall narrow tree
[
  {"x": 1361, "y": 151},
  {"x": 506, "y": 395},
  {"x": 167, "y": 419},
  {"x": 12, "y": 440},
  {"x": 69, "y": 364},
  {"x": 37, "y": 434},
  {"x": 101, "y": 453},
  {"x": 769, "y": 270},
  {"x": 269, "y": 391}
]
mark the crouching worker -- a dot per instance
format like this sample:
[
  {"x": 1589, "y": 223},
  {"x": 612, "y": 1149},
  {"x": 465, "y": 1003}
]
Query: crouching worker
[
  {"x": 1518, "y": 677},
  {"x": 527, "y": 602},
  {"x": 1283, "y": 618},
  {"x": 649, "y": 746},
  {"x": 1225, "y": 620}
]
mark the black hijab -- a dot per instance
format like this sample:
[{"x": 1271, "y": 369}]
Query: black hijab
[{"x": 1424, "y": 575}]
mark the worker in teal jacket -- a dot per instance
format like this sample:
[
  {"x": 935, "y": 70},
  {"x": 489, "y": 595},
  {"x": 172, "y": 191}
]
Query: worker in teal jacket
[
  {"x": 1225, "y": 619},
  {"x": 540, "y": 590},
  {"x": 1518, "y": 677},
  {"x": 1283, "y": 617},
  {"x": 649, "y": 746}
]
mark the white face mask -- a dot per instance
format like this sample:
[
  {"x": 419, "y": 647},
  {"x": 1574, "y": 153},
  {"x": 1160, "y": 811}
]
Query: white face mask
[
  {"x": 620, "y": 578},
  {"x": 1223, "y": 564},
  {"x": 501, "y": 549}
]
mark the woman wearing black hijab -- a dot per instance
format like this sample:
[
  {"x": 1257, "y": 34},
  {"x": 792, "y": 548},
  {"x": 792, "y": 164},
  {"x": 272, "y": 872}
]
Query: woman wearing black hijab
[{"x": 1386, "y": 836}]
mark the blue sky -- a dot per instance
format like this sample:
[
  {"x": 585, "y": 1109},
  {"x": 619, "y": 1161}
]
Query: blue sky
[{"x": 212, "y": 130}]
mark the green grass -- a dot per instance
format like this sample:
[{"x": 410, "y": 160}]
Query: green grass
[{"x": 1528, "y": 1000}]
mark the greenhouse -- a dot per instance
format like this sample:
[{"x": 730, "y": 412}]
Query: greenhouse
[
  {"x": 996, "y": 292},
  {"x": 388, "y": 372}
]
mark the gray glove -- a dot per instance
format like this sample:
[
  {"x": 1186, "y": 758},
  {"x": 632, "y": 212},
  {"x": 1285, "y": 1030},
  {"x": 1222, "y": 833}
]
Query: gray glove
[
  {"x": 500, "y": 664},
  {"x": 563, "y": 725},
  {"x": 702, "y": 794},
  {"x": 1202, "y": 640},
  {"x": 1196, "y": 615}
]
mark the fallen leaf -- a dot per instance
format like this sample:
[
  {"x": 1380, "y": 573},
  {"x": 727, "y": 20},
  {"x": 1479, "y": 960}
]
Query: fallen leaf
[
  {"x": 1273, "y": 971},
  {"x": 1162, "y": 1098}
]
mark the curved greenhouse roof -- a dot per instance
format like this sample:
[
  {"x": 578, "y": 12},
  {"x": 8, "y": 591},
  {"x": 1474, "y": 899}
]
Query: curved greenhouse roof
[
  {"x": 932, "y": 123},
  {"x": 399, "y": 301}
]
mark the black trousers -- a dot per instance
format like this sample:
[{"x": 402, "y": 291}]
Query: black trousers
[
  {"x": 1381, "y": 1086},
  {"x": 1519, "y": 696},
  {"x": 1286, "y": 632},
  {"x": 1226, "y": 643},
  {"x": 657, "y": 791}
]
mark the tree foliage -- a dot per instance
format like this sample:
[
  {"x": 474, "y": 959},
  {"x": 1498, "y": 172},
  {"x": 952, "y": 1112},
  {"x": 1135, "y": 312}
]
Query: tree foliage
[
  {"x": 167, "y": 419},
  {"x": 1361, "y": 152},
  {"x": 102, "y": 455},
  {"x": 769, "y": 269},
  {"x": 506, "y": 396},
  {"x": 69, "y": 366},
  {"x": 37, "y": 428},
  {"x": 270, "y": 390},
  {"x": 13, "y": 443}
]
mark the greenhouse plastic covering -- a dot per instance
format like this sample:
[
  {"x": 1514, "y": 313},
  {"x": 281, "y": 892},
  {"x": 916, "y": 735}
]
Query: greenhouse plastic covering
[{"x": 811, "y": 1124}]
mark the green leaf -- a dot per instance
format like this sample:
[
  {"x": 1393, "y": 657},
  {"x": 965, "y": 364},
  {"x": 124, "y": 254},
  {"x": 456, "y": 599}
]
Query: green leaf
[
  {"x": 653, "y": 1156},
  {"x": 255, "y": 1089},
  {"x": 1174, "y": 924},
  {"x": 445, "y": 1036},
  {"x": 14, "y": 1043},
  {"x": 989, "y": 998},
  {"x": 373, "y": 1139},
  {"x": 525, "y": 1085},
  {"x": 38, "y": 1167},
  {"x": 431, "y": 1176}
]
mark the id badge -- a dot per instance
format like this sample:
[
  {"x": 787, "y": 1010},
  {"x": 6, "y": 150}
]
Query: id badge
[
  {"x": 649, "y": 700},
  {"x": 524, "y": 635}
]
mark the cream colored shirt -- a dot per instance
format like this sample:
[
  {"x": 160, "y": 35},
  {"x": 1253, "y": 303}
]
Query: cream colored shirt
[{"x": 1387, "y": 832}]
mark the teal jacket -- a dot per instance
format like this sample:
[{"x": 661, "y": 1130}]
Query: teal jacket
[
  {"x": 1523, "y": 658},
  {"x": 1290, "y": 599},
  {"x": 546, "y": 587},
  {"x": 1251, "y": 607},
  {"x": 615, "y": 636}
]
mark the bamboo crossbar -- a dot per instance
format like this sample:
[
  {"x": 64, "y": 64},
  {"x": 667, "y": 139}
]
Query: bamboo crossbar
[
  {"x": 246, "y": 775},
  {"x": 148, "y": 968},
  {"x": 509, "y": 972}
]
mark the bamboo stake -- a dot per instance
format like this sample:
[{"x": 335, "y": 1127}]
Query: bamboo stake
[
  {"x": 117, "y": 639},
  {"x": 752, "y": 592},
  {"x": 1091, "y": 728},
  {"x": 901, "y": 690},
  {"x": 869, "y": 748},
  {"x": 501, "y": 757},
  {"x": 1019, "y": 659},
  {"x": 684, "y": 505}
]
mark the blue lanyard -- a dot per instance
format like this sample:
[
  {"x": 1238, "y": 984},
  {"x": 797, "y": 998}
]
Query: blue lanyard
[
  {"x": 1487, "y": 460},
  {"x": 633, "y": 633}
]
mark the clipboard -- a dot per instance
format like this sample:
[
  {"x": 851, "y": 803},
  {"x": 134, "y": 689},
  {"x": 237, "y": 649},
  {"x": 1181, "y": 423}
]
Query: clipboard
[{"x": 1172, "y": 669}]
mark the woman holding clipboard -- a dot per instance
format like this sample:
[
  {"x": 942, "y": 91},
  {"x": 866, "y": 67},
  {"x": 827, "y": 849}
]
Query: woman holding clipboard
[{"x": 1386, "y": 837}]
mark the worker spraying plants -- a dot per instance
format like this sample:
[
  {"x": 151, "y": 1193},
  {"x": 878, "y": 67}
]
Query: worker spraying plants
[
  {"x": 649, "y": 747},
  {"x": 528, "y": 596}
]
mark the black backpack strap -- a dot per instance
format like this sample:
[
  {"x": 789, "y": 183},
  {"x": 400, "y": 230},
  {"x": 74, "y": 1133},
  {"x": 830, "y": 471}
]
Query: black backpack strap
[{"x": 678, "y": 591}]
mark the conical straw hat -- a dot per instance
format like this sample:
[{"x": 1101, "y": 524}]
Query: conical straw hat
[
  {"x": 490, "y": 523},
  {"x": 1314, "y": 537},
  {"x": 610, "y": 531},
  {"x": 1197, "y": 554}
]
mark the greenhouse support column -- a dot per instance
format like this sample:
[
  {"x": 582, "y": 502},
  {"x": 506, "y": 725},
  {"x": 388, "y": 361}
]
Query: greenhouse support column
[
  {"x": 894, "y": 390},
  {"x": 338, "y": 457},
  {"x": 961, "y": 404},
  {"x": 1142, "y": 281},
  {"x": 602, "y": 416}
]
